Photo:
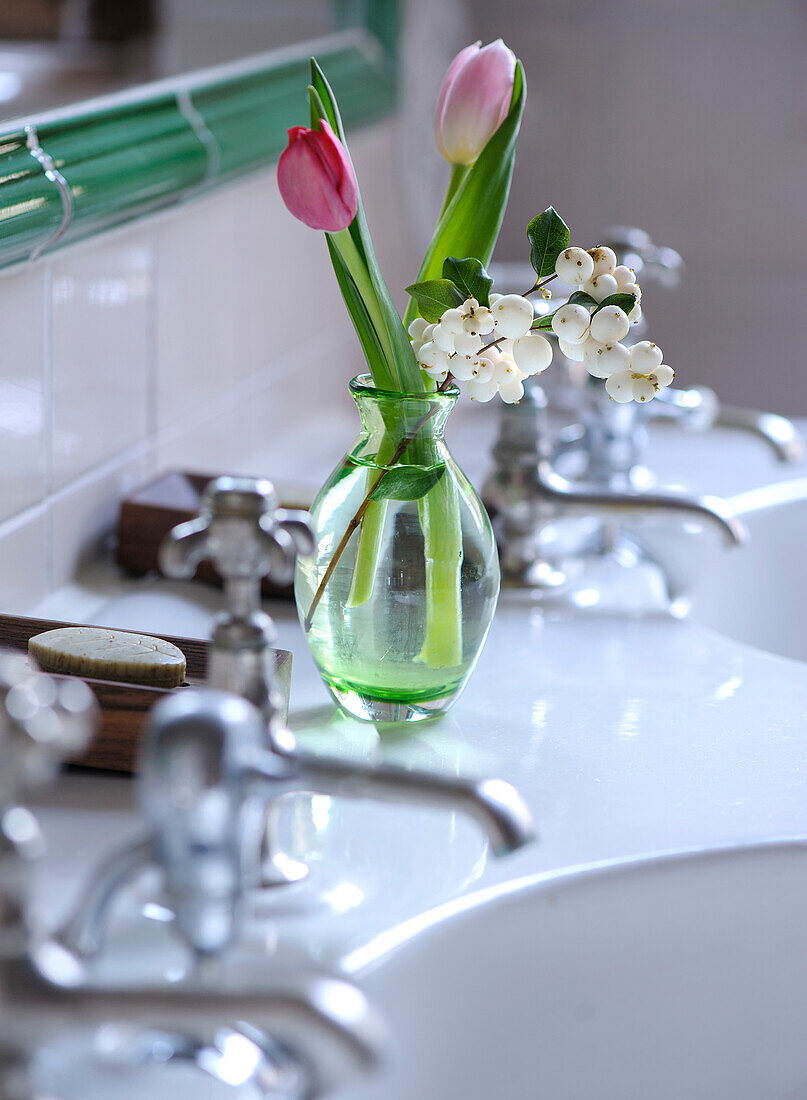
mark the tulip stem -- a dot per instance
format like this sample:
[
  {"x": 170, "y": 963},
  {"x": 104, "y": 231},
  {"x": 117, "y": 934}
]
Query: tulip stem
[
  {"x": 458, "y": 174},
  {"x": 346, "y": 247}
]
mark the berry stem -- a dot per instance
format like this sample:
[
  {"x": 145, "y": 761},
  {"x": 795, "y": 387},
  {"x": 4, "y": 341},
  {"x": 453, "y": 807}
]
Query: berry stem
[{"x": 539, "y": 285}]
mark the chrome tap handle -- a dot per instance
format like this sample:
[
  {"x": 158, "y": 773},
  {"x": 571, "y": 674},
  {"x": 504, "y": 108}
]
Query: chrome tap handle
[
  {"x": 324, "y": 1024},
  {"x": 241, "y": 529},
  {"x": 42, "y": 721},
  {"x": 201, "y": 813},
  {"x": 634, "y": 248}
]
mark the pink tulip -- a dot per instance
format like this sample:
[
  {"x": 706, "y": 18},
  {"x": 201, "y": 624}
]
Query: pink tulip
[
  {"x": 474, "y": 100},
  {"x": 316, "y": 179}
]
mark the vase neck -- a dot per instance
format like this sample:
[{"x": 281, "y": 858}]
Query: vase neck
[{"x": 397, "y": 416}]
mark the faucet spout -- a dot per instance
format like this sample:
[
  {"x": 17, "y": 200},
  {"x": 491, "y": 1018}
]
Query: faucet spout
[
  {"x": 709, "y": 509},
  {"x": 326, "y": 1021},
  {"x": 778, "y": 432},
  {"x": 494, "y": 804}
]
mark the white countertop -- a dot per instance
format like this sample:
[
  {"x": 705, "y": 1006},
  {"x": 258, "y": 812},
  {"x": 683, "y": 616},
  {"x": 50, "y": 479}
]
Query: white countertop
[{"x": 628, "y": 736}]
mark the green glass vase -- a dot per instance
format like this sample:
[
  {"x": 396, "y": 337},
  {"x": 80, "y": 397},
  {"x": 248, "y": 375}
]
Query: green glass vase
[{"x": 398, "y": 597}]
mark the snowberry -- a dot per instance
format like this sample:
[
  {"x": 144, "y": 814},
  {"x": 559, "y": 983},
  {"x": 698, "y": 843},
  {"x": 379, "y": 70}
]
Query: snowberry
[
  {"x": 635, "y": 314},
  {"x": 573, "y": 351},
  {"x": 601, "y": 286},
  {"x": 462, "y": 367},
  {"x": 603, "y": 360},
  {"x": 482, "y": 369},
  {"x": 452, "y": 322},
  {"x": 609, "y": 325},
  {"x": 645, "y": 357},
  {"x": 512, "y": 392},
  {"x": 574, "y": 266},
  {"x": 416, "y": 328},
  {"x": 532, "y": 353},
  {"x": 662, "y": 376},
  {"x": 482, "y": 391},
  {"x": 437, "y": 373},
  {"x": 465, "y": 344},
  {"x": 432, "y": 357},
  {"x": 480, "y": 321},
  {"x": 643, "y": 389},
  {"x": 623, "y": 275},
  {"x": 494, "y": 298},
  {"x": 512, "y": 315},
  {"x": 571, "y": 323},
  {"x": 506, "y": 372},
  {"x": 620, "y": 386},
  {"x": 443, "y": 339},
  {"x": 604, "y": 260},
  {"x": 631, "y": 288}
]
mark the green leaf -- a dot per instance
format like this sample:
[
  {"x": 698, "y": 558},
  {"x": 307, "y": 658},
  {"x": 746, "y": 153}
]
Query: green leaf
[
  {"x": 407, "y": 482},
  {"x": 543, "y": 322},
  {"x": 470, "y": 223},
  {"x": 434, "y": 297},
  {"x": 402, "y": 367},
  {"x": 365, "y": 330},
  {"x": 580, "y": 298},
  {"x": 470, "y": 277},
  {"x": 625, "y": 302},
  {"x": 548, "y": 235}
]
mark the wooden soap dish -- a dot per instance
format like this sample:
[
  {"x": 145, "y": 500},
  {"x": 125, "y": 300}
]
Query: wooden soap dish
[
  {"x": 125, "y": 706},
  {"x": 149, "y": 513}
]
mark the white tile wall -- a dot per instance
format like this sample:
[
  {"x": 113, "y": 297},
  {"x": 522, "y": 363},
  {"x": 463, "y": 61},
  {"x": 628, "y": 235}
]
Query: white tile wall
[
  {"x": 102, "y": 303},
  {"x": 191, "y": 339},
  {"x": 23, "y": 459},
  {"x": 24, "y": 547}
]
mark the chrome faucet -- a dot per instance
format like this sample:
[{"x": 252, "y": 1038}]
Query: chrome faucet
[
  {"x": 207, "y": 784},
  {"x": 315, "y": 1030},
  {"x": 243, "y": 531},
  {"x": 528, "y": 497}
]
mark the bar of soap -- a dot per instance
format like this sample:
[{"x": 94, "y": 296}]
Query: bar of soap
[{"x": 109, "y": 655}]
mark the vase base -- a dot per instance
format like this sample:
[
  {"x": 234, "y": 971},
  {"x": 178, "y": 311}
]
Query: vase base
[{"x": 373, "y": 709}]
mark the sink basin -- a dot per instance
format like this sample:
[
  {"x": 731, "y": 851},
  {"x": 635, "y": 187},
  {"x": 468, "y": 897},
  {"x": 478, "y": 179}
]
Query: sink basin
[
  {"x": 757, "y": 595},
  {"x": 683, "y": 976}
]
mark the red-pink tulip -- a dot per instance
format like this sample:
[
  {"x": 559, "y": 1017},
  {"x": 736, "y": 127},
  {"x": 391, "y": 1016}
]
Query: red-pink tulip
[
  {"x": 474, "y": 100},
  {"x": 316, "y": 179}
]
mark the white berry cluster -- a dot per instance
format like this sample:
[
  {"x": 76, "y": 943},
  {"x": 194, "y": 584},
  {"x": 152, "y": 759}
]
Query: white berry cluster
[
  {"x": 491, "y": 349},
  {"x": 592, "y": 336}
]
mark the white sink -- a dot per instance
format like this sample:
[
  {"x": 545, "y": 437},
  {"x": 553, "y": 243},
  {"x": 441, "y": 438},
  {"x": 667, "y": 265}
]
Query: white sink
[
  {"x": 758, "y": 594},
  {"x": 682, "y": 977}
]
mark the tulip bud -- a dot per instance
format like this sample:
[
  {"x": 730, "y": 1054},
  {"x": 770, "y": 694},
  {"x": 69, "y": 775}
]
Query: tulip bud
[
  {"x": 474, "y": 100},
  {"x": 316, "y": 179}
]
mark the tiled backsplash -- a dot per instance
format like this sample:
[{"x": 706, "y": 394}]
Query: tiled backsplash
[{"x": 190, "y": 339}]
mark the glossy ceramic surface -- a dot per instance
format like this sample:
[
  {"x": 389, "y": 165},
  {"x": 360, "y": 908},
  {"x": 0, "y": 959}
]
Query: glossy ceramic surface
[
  {"x": 631, "y": 736},
  {"x": 681, "y": 977}
]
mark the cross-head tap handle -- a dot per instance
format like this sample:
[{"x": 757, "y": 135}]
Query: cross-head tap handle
[
  {"x": 242, "y": 530},
  {"x": 43, "y": 720}
]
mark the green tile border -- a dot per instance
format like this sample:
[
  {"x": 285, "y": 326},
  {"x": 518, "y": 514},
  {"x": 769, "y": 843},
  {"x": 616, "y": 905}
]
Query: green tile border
[{"x": 105, "y": 162}]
